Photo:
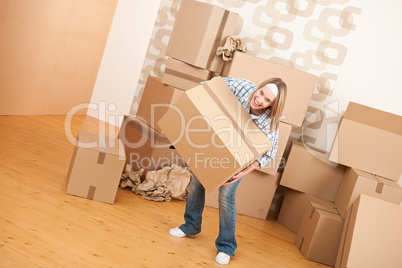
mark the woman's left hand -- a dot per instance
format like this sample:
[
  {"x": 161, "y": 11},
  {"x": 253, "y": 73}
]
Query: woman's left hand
[
  {"x": 235, "y": 178},
  {"x": 243, "y": 173}
]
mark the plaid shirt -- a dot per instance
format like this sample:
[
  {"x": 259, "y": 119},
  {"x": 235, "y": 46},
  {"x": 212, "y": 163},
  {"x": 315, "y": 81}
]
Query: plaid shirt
[{"x": 243, "y": 89}]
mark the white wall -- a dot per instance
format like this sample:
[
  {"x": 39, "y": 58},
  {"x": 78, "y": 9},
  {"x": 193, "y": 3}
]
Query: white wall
[
  {"x": 372, "y": 71},
  {"x": 123, "y": 59}
]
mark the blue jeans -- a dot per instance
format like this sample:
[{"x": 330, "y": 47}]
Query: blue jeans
[{"x": 226, "y": 241}]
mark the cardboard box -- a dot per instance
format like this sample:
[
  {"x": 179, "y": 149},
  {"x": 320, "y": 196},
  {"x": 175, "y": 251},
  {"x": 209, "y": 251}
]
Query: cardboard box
[
  {"x": 283, "y": 137},
  {"x": 253, "y": 197},
  {"x": 184, "y": 76},
  {"x": 356, "y": 182},
  {"x": 300, "y": 84},
  {"x": 308, "y": 170},
  {"x": 96, "y": 167},
  {"x": 156, "y": 99},
  {"x": 213, "y": 133},
  {"x": 371, "y": 236},
  {"x": 145, "y": 148},
  {"x": 370, "y": 140},
  {"x": 319, "y": 234},
  {"x": 293, "y": 207},
  {"x": 197, "y": 33}
]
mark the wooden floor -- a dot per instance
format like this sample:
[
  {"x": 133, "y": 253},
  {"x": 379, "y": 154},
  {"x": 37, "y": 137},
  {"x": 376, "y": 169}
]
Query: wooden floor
[{"x": 41, "y": 226}]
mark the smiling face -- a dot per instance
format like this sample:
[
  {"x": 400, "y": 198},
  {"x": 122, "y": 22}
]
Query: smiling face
[{"x": 261, "y": 100}]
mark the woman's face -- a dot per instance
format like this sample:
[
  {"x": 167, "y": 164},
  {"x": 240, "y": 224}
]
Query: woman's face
[{"x": 262, "y": 98}]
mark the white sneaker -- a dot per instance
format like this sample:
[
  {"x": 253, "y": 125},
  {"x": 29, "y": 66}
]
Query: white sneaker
[
  {"x": 177, "y": 232},
  {"x": 222, "y": 258}
]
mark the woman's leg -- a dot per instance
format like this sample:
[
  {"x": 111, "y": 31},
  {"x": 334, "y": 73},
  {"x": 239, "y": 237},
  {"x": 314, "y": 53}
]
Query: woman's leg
[
  {"x": 194, "y": 208},
  {"x": 226, "y": 241}
]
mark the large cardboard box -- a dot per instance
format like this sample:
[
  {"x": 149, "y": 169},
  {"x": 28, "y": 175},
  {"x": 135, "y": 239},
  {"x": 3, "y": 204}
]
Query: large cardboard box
[
  {"x": 253, "y": 197},
  {"x": 370, "y": 140},
  {"x": 320, "y": 233},
  {"x": 308, "y": 170},
  {"x": 156, "y": 99},
  {"x": 293, "y": 207},
  {"x": 372, "y": 235},
  {"x": 279, "y": 161},
  {"x": 146, "y": 148},
  {"x": 96, "y": 167},
  {"x": 356, "y": 182},
  {"x": 198, "y": 31},
  {"x": 184, "y": 76},
  {"x": 213, "y": 132},
  {"x": 300, "y": 84}
]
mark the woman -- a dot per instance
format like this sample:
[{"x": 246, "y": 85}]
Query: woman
[{"x": 265, "y": 104}]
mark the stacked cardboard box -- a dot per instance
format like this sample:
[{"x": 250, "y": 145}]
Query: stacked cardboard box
[
  {"x": 145, "y": 146},
  {"x": 184, "y": 76},
  {"x": 370, "y": 140},
  {"x": 308, "y": 170},
  {"x": 356, "y": 182},
  {"x": 293, "y": 207},
  {"x": 199, "y": 30},
  {"x": 369, "y": 143},
  {"x": 372, "y": 234},
  {"x": 320, "y": 233},
  {"x": 308, "y": 208},
  {"x": 353, "y": 148},
  {"x": 156, "y": 99}
]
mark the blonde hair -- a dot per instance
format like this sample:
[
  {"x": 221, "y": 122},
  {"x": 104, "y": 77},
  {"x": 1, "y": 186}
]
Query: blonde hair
[{"x": 276, "y": 108}]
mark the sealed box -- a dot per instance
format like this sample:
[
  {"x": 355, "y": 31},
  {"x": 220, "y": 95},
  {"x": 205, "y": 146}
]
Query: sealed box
[
  {"x": 96, "y": 167},
  {"x": 156, "y": 99},
  {"x": 370, "y": 140},
  {"x": 146, "y": 148},
  {"x": 308, "y": 170},
  {"x": 293, "y": 207},
  {"x": 184, "y": 76},
  {"x": 253, "y": 196},
  {"x": 319, "y": 234},
  {"x": 300, "y": 85},
  {"x": 213, "y": 133},
  {"x": 198, "y": 31},
  {"x": 279, "y": 161},
  {"x": 371, "y": 235},
  {"x": 356, "y": 182}
]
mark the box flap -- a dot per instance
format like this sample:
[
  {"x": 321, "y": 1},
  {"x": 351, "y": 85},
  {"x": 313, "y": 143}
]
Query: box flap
[
  {"x": 323, "y": 207},
  {"x": 374, "y": 117},
  {"x": 100, "y": 143}
]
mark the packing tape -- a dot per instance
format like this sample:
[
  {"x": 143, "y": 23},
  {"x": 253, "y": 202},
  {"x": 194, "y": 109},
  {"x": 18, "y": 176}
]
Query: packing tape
[
  {"x": 102, "y": 150},
  {"x": 91, "y": 192},
  {"x": 312, "y": 213},
  {"x": 301, "y": 243},
  {"x": 235, "y": 124},
  {"x": 101, "y": 158},
  {"x": 380, "y": 186},
  {"x": 218, "y": 38},
  {"x": 183, "y": 76},
  {"x": 102, "y": 143}
]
